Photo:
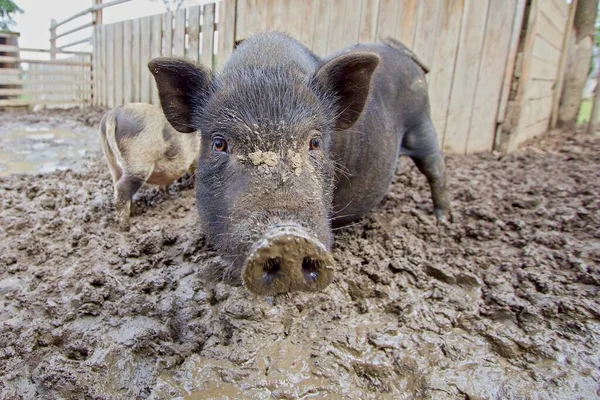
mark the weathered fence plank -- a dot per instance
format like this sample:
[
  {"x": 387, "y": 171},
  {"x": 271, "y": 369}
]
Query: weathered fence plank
[
  {"x": 336, "y": 22},
  {"x": 441, "y": 76},
  {"x": 118, "y": 60},
  {"x": 309, "y": 16},
  {"x": 427, "y": 26},
  {"x": 465, "y": 78},
  {"x": 387, "y": 23},
  {"x": 110, "y": 65},
  {"x": 167, "y": 23},
  {"x": 155, "y": 51},
  {"x": 351, "y": 26},
  {"x": 226, "y": 30},
  {"x": 145, "y": 51},
  {"x": 179, "y": 33},
  {"x": 405, "y": 27},
  {"x": 493, "y": 55},
  {"x": 136, "y": 60},
  {"x": 254, "y": 20},
  {"x": 368, "y": 21},
  {"x": 127, "y": 62},
  {"x": 192, "y": 51},
  {"x": 321, "y": 28},
  {"x": 208, "y": 31}
]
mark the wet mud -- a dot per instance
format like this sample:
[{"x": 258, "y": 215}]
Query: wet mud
[{"x": 502, "y": 304}]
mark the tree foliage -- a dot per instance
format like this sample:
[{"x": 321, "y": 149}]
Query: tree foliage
[{"x": 7, "y": 9}]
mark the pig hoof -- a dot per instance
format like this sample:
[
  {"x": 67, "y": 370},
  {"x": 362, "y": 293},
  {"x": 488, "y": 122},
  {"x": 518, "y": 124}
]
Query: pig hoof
[
  {"x": 288, "y": 259},
  {"x": 123, "y": 226},
  {"x": 443, "y": 216}
]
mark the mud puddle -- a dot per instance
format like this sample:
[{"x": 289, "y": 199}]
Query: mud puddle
[
  {"x": 502, "y": 304},
  {"x": 42, "y": 149}
]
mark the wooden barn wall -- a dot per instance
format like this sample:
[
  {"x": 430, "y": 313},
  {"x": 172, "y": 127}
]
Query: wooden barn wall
[
  {"x": 466, "y": 43},
  {"x": 471, "y": 47},
  {"x": 539, "y": 70}
]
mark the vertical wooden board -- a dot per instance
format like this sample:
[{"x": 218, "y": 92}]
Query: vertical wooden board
[
  {"x": 208, "y": 30},
  {"x": 127, "y": 62},
  {"x": 96, "y": 67},
  {"x": 254, "y": 18},
  {"x": 554, "y": 13},
  {"x": 528, "y": 70},
  {"x": 512, "y": 57},
  {"x": 563, "y": 6},
  {"x": 336, "y": 21},
  {"x": 563, "y": 61},
  {"x": 351, "y": 27},
  {"x": 155, "y": 51},
  {"x": 275, "y": 15},
  {"x": 192, "y": 52},
  {"x": 388, "y": 18},
  {"x": 226, "y": 30},
  {"x": 550, "y": 31},
  {"x": 465, "y": 76},
  {"x": 442, "y": 72},
  {"x": 544, "y": 51},
  {"x": 536, "y": 110},
  {"x": 321, "y": 28},
  {"x": 407, "y": 22},
  {"x": 292, "y": 18},
  {"x": 167, "y": 50},
  {"x": 427, "y": 27},
  {"x": 242, "y": 25},
  {"x": 309, "y": 16},
  {"x": 368, "y": 21},
  {"x": 110, "y": 65},
  {"x": 135, "y": 61},
  {"x": 103, "y": 80},
  {"x": 145, "y": 77},
  {"x": 494, "y": 58},
  {"x": 179, "y": 33}
]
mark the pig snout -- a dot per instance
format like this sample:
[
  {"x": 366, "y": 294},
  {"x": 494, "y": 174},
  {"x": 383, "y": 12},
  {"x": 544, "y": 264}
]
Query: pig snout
[{"x": 287, "y": 259}]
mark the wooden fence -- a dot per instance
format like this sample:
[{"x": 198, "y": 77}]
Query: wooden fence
[
  {"x": 122, "y": 50},
  {"x": 539, "y": 73},
  {"x": 63, "y": 80},
  {"x": 495, "y": 64}
]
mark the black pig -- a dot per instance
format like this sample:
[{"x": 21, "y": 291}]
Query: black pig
[{"x": 293, "y": 144}]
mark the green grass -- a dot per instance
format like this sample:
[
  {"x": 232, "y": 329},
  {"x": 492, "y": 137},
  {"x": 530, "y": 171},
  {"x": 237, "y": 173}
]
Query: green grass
[{"x": 585, "y": 111}]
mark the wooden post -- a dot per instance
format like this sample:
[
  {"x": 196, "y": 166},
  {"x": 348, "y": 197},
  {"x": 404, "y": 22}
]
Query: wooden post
[
  {"x": 97, "y": 21},
  {"x": 53, "y": 39},
  {"x": 593, "y": 124},
  {"x": 560, "y": 79},
  {"x": 97, "y": 14}
]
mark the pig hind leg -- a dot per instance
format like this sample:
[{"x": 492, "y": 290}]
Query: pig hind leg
[
  {"x": 125, "y": 188},
  {"x": 420, "y": 143}
]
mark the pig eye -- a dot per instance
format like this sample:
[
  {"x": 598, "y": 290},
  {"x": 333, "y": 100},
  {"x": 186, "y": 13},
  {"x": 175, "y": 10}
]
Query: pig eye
[
  {"x": 315, "y": 143},
  {"x": 219, "y": 144}
]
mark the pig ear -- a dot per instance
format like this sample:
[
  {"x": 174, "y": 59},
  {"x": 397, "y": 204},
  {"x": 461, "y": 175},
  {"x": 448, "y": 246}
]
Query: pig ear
[
  {"x": 348, "y": 76},
  {"x": 182, "y": 87}
]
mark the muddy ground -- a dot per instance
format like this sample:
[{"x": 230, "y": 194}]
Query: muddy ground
[{"x": 502, "y": 304}]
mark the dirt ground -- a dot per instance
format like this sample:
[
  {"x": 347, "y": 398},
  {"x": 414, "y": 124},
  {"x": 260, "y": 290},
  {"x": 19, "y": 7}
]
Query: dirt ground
[{"x": 502, "y": 304}]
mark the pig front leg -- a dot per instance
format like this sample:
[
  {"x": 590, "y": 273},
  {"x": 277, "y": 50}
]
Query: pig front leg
[
  {"x": 421, "y": 145},
  {"x": 125, "y": 188},
  {"x": 432, "y": 166},
  {"x": 164, "y": 189}
]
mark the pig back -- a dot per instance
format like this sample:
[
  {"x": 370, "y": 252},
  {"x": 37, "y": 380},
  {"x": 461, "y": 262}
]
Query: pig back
[{"x": 367, "y": 153}]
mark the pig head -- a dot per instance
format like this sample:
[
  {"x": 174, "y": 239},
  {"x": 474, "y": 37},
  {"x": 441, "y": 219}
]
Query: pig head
[{"x": 265, "y": 177}]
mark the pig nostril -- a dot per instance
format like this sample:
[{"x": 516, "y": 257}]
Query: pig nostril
[
  {"x": 310, "y": 268},
  {"x": 271, "y": 267}
]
